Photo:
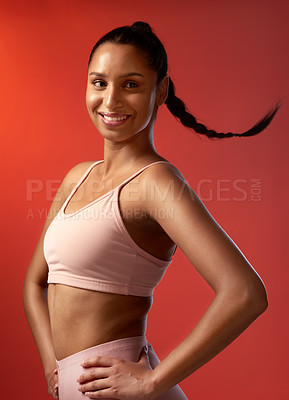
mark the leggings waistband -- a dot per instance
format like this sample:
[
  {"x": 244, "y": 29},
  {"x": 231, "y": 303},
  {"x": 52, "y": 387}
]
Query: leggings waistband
[{"x": 102, "y": 349}]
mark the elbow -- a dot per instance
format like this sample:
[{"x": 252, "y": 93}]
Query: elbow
[
  {"x": 263, "y": 301},
  {"x": 256, "y": 299},
  {"x": 32, "y": 289},
  {"x": 258, "y": 304},
  {"x": 247, "y": 297},
  {"x": 26, "y": 293},
  {"x": 263, "y": 298}
]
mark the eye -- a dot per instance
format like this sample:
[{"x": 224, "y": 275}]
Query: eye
[
  {"x": 98, "y": 83},
  {"x": 131, "y": 85}
]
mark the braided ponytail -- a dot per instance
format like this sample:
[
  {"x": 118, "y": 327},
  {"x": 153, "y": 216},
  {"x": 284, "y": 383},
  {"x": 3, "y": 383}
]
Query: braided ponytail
[
  {"x": 177, "y": 107},
  {"x": 140, "y": 35}
]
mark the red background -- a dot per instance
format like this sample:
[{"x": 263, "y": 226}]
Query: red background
[{"x": 229, "y": 62}]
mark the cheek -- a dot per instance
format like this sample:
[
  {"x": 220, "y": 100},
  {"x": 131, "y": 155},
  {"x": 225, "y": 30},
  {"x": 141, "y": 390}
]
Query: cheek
[
  {"x": 145, "y": 104},
  {"x": 92, "y": 100},
  {"x": 150, "y": 106}
]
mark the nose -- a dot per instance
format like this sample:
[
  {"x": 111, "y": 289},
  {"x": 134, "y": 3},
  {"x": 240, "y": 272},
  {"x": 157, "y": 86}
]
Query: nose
[{"x": 112, "y": 97}]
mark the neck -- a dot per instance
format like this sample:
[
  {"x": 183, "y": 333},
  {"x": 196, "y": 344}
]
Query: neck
[{"x": 127, "y": 154}]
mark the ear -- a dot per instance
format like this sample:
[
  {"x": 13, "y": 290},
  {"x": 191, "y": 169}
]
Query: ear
[{"x": 162, "y": 91}]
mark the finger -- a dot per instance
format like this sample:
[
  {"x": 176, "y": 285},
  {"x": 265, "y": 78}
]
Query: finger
[
  {"x": 94, "y": 385},
  {"x": 56, "y": 391},
  {"x": 53, "y": 388},
  {"x": 93, "y": 373},
  {"x": 100, "y": 394},
  {"x": 99, "y": 361}
]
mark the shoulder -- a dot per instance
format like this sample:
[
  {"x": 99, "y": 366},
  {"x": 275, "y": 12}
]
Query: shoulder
[
  {"x": 162, "y": 171},
  {"x": 165, "y": 191},
  {"x": 72, "y": 178},
  {"x": 162, "y": 179},
  {"x": 74, "y": 175}
]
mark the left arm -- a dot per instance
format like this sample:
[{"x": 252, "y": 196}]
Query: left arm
[{"x": 240, "y": 295}]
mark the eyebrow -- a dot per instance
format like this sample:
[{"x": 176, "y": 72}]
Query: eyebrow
[{"x": 122, "y": 76}]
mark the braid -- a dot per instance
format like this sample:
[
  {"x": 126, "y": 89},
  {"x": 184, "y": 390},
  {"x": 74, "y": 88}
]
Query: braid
[{"x": 177, "y": 107}]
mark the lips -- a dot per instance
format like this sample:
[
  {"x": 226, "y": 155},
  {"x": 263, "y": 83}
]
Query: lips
[{"x": 114, "y": 119}]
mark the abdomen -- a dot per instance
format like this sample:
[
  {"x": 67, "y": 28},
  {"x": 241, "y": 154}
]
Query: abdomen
[{"x": 83, "y": 318}]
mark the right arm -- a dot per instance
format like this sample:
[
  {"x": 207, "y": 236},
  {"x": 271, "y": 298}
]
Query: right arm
[{"x": 35, "y": 285}]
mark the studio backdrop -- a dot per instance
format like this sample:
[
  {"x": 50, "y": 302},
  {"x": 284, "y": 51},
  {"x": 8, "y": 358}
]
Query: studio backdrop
[{"x": 229, "y": 62}]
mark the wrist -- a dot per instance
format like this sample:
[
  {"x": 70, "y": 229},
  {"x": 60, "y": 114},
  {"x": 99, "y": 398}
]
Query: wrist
[
  {"x": 49, "y": 370},
  {"x": 153, "y": 387}
]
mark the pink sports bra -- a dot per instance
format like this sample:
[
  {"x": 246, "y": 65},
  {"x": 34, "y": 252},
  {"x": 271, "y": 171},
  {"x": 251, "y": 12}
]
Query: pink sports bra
[{"x": 92, "y": 249}]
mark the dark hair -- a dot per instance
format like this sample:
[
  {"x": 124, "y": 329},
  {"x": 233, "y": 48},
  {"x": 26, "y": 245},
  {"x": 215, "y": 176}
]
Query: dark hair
[{"x": 141, "y": 36}]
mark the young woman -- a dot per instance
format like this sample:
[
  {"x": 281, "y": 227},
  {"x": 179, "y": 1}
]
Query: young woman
[{"x": 111, "y": 232}]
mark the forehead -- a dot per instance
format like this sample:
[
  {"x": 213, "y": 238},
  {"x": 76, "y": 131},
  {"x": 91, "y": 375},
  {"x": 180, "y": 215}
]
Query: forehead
[{"x": 119, "y": 58}]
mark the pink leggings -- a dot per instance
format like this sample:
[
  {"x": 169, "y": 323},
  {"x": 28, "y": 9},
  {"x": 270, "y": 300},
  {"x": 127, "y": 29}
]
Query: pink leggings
[{"x": 69, "y": 368}]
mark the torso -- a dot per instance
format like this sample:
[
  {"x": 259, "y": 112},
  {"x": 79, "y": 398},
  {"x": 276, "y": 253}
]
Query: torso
[{"x": 84, "y": 318}]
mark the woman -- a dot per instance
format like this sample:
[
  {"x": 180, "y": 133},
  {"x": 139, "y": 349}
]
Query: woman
[{"x": 111, "y": 232}]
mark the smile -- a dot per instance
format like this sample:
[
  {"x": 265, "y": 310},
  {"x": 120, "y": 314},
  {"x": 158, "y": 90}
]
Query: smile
[{"x": 114, "y": 119}]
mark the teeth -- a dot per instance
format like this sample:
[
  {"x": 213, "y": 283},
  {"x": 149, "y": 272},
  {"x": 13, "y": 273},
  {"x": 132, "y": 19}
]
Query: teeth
[{"x": 114, "y": 118}]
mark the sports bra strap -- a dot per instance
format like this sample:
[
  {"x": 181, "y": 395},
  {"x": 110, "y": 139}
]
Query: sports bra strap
[
  {"x": 84, "y": 176},
  {"x": 139, "y": 171},
  {"x": 117, "y": 188}
]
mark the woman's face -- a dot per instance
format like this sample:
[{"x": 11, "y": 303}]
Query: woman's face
[{"x": 122, "y": 93}]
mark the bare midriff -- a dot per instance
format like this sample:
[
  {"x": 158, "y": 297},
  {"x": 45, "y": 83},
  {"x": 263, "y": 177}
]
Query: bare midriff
[{"x": 82, "y": 318}]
